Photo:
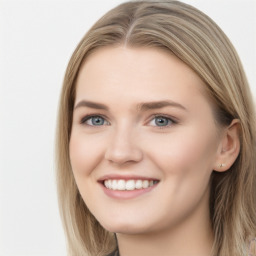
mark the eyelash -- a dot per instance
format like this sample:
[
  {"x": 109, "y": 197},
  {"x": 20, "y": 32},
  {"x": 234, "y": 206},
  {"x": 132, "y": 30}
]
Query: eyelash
[
  {"x": 170, "y": 120},
  {"x": 88, "y": 117}
]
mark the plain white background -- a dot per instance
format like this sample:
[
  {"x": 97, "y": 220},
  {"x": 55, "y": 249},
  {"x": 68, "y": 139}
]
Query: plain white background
[{"x": 36, "y": 41}]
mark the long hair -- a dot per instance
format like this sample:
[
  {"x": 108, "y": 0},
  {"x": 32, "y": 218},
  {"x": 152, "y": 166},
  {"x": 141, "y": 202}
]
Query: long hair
[{"x": 196, "y": 40}]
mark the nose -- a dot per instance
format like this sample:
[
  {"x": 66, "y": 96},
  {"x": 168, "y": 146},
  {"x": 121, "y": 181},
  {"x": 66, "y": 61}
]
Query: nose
[{"x": 123, "y": 147}]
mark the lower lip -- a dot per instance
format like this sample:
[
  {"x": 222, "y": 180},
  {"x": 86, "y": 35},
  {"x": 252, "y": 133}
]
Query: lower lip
[{"x": 126, "y": 194}]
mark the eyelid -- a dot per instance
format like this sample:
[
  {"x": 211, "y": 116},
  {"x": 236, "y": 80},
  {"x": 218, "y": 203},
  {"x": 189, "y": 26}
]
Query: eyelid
[
  {"x": 173, "y": 120},
  {"x": 87, "y": 117}
]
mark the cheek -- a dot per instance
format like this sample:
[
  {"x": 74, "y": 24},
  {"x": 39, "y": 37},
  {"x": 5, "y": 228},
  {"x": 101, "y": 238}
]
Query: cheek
[
  {"x": 192, "y": 149},
  {"x": 85, "y": 153}
]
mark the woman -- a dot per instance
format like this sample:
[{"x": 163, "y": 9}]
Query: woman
[{"x": 156, "y": 137}]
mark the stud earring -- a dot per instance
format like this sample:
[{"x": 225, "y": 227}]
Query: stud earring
[{"x": 221, "y": 165}]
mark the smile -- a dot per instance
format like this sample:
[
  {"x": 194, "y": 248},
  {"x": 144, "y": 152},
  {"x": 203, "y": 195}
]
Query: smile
[{"x": 128, "y": 184}]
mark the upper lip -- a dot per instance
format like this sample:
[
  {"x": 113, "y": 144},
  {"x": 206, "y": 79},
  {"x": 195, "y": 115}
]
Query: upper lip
[{"x": 125, "y": 177}]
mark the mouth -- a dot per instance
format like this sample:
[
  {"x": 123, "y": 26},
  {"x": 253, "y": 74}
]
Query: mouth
[{"x": 128, "y": 185}]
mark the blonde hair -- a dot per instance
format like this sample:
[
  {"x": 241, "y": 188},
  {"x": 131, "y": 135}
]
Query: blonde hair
[{"x": 195, "y": 39}]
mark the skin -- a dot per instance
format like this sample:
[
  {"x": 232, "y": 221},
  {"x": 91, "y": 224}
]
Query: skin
[{"x": 173, "y": 218}]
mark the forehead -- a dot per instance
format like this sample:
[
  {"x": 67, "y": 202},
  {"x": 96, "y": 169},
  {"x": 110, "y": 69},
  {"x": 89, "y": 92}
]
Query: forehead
[
  {"x": 143, "y": 63},
  {"x": 133, "y": 74}
]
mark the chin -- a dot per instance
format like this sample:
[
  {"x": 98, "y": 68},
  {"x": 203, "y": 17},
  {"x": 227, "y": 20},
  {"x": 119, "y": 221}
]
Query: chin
[
  {"x": 128, "y": 230},
  {"x": 125, "y": 227}
]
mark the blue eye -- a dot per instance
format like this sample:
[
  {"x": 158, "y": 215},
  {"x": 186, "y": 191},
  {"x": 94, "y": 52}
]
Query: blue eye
[
  {"x": 161, "y": 121},
  {"x": 94, "y": 121}
]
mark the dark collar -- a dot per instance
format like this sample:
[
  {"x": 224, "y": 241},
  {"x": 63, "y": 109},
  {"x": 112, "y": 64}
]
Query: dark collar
[{"x": 114, "y": 253}]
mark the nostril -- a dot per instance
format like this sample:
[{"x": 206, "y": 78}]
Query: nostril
[{"x": 121, "y": 155}]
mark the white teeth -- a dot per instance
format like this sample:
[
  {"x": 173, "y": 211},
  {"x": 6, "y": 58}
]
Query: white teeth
[
  {"x": 138, "y": 184},
  {"x": 145, "y": 183},
  {"x": 114, "y": 185},
  {"x": 107, "y": 183},
  {"x": 121, "y": 185},
  {"x": 128, "y": 184}
]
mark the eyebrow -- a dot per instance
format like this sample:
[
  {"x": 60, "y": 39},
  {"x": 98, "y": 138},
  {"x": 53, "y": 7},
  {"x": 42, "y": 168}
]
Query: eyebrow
[
  {"x": 159, "y": 104},
  {"x": 90, "y": 104},
  {"x": 140, "y": 107}
]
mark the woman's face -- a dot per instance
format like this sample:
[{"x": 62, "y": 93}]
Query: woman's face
[{"x": 144, "y": 140}]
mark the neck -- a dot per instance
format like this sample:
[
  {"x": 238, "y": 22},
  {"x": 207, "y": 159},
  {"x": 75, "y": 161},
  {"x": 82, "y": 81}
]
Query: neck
[{"x": 194, "y": 237}]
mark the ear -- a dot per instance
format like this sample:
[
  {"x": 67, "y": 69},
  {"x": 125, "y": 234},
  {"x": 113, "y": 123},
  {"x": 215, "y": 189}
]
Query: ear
[{"x": 229, "y": 147}]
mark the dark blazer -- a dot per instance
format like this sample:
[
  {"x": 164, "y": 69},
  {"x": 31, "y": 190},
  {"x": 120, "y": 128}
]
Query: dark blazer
[{"x": 114, "y": 253}]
